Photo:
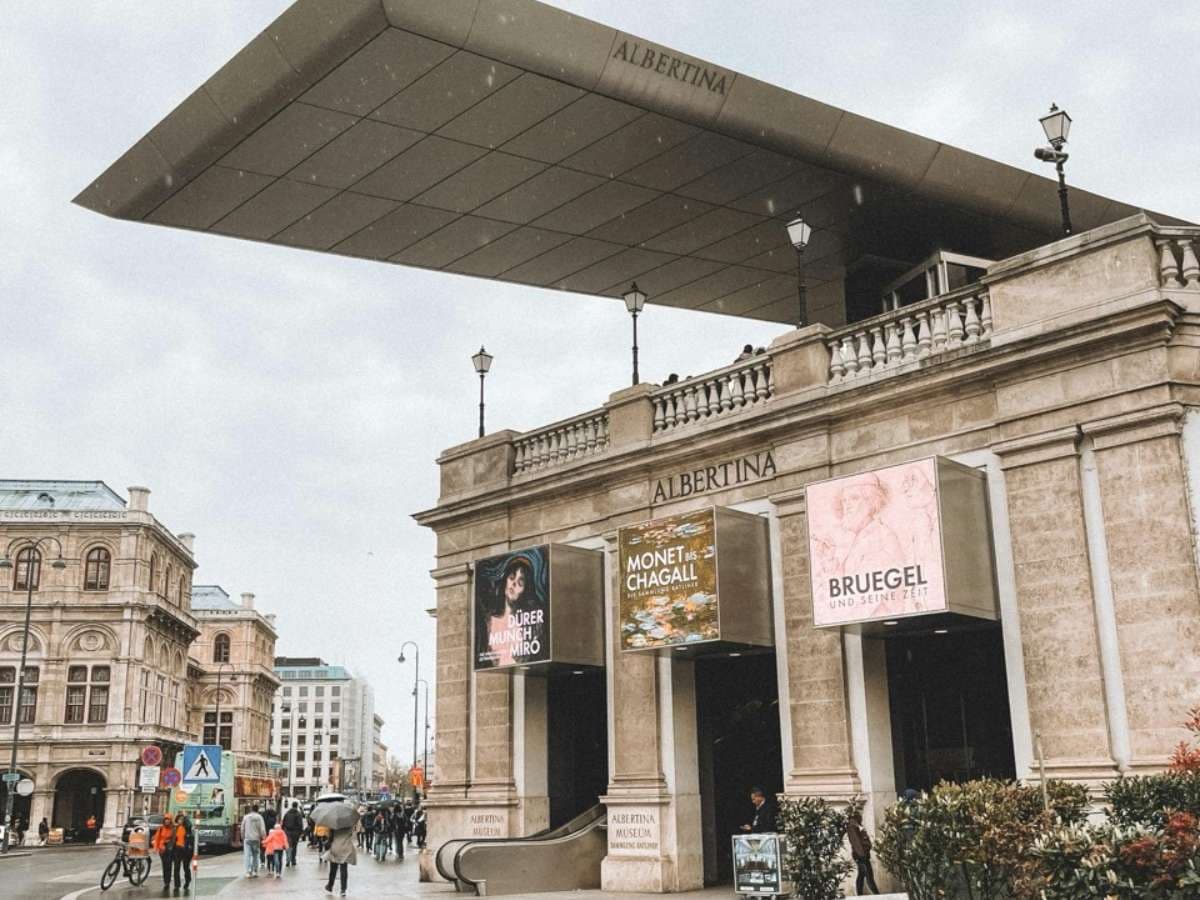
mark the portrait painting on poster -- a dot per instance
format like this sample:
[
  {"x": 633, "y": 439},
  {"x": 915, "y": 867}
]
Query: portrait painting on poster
[
  {"x": 668, "y": 587},
  {"x": 875, "y": 545},
  {"x": 512, "y": 609}
]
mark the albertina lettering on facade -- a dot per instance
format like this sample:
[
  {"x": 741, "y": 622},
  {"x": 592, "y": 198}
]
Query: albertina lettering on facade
[
  {"x": 664, "y": 63},
  {"x": 728, "y": 474}
]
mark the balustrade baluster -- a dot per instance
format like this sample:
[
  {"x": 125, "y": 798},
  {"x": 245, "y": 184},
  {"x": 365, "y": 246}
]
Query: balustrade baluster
[
  {"x": 892, "y": 330},
  {"x": 954, "y": 327},
  {"x": 878, "y": 348},
  {"x": 971, "y": 324},
  {"x": 1168, "y": 265},
  {"x": 837, "y": 366},
  {"x": 602, "y": 432},
  {"x": 985, "y": 315},
  {"x": 924, "y": 335},
  {"x": 864, "y": 354},
  {"x": 762, "y": 382},
  {"x": 726, "y": 385},
  {"x": 908, "y": 340},
  {"x": 660, "y": 404},
  {"x": 849, "y": 356},
  {"x": 1190, "y": 271},
  {"x": 690, "y": 404},
  {"x": 736, "y": 395},
  {"x": 938, "y": 317},
  {"x": 714, "y": 397}
]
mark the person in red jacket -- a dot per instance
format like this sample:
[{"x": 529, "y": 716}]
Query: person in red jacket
[{"x": 273, "y": 845}]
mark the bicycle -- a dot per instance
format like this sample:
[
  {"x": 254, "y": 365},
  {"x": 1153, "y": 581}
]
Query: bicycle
[{"x": 136, "y": 868}]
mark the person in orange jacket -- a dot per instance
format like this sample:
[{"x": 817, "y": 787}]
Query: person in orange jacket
[
  {"x": 274, "y": 844},
  {"x": 164, "y": 846}
]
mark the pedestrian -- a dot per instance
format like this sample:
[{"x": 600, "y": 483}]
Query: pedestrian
[
  {"x": 380, "y": 827},
  {"x": 43, "y": 832},
  {"x": 860, "y": 852},
  {"x": 268, "y": 823},
  {"x": 399, "y": 830},
  {"x": 293, "y": 827},
  {"x": 341, "y": 855},
  {"x": 360, "y": 830},
  {"x": 764, "y": 813},
  {"x": 164, "y": 846},
  {"x": 253, "y": 832},
  {"x": 368, "y": 826},
  {"x": 419, "y": 826},
  {"x": 275, "y": 844},
  {"x": 91, "y": 828},
  {"x": 185, "y": 849},
  {"x": 747, "y": 352}
]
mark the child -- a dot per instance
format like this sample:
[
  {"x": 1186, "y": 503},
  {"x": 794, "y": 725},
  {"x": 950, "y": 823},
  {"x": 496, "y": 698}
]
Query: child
[{"x": 275, "y": 843}]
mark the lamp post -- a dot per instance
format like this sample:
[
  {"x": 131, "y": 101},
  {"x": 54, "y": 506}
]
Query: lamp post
[
  {"x": 33, "y": 572},
  {"x": 483, "y": 362},
  {"x": 425, "y": 764},
  {"x": 220, "y": 669},
  {"x": 799, "y": 232},
  {"x": 635, "y": 302},
  {"x": 416, "y": 680},
  {"x": 1057, "y": 125}
]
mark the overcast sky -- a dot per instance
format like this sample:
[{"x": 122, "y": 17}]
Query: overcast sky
[{"x": 288, "y": 406}]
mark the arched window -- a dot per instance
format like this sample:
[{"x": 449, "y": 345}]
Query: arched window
[
  {"x": 182, "y": 589},
  {"x": 221, "y": 648},
  {"x": 97, "y": 565},
  {"x": 28, "y": 569},
  {"x": 153, "y": 568},
  {"x": 166, "y": 591}
]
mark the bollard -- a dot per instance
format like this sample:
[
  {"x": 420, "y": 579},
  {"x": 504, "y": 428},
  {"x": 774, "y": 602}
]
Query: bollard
[{"x": 195, "y": 873}]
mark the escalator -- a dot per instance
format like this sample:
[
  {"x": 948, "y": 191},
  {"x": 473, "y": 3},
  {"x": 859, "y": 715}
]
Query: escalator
[{"x": 558, "y": 859}]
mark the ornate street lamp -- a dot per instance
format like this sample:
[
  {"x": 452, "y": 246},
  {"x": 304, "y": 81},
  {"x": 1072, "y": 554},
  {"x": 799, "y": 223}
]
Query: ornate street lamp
[
  {"x": 799, "y": 232},
  {"x": 1057, "y": 125},
  {"x": 416, "y": 681},
  {"x": 33, "y": 571},
  {"x": 483, "y": 362},
  {"x": 635, "y": 302}
]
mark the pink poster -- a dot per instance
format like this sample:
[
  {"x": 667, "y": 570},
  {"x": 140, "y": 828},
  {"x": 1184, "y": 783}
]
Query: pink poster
[{"x": 875, "y": 545}]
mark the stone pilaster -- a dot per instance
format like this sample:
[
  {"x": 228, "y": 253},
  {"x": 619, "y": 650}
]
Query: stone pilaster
[
  {"x": 1143, "y": 491},
  {"x": 800, "y": 359},
  {"x": 1063, "y": 671}
]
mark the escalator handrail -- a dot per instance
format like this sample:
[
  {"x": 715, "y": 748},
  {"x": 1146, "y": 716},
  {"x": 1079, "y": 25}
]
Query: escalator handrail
[{"x": 585, "y": 820}]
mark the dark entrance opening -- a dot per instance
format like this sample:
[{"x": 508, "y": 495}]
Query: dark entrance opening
[
  {"x": 577, "y": 742},
  {"x": 739, "y": 747},
  {"x": 21, "y": 805},
  {"x": 79, "y": 795},
  {"x": 949, "y": 699}
]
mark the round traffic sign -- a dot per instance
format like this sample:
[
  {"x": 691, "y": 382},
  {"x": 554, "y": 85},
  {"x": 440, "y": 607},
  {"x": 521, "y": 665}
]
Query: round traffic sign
[
  {"x": 181, "y": 797},
  {"x": 171, "y": 777},
  {"x": 152, "y": 755},
  {"x": 25, "y": 787}
]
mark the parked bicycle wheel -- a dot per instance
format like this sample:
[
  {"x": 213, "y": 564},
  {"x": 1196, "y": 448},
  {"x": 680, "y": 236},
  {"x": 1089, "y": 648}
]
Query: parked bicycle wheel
[
  {"x": 110, "y": 874},
  {"x": 139, "y": 871}
]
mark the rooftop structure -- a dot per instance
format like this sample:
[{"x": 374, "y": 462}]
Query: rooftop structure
[{"x": 57, "y": 494}]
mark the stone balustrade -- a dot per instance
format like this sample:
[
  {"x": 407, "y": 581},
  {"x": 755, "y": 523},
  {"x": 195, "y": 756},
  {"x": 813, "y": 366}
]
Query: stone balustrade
[
  {"x": 947, "y": 322},
  {"x": 1177, "y": 261},
  {"x": 582, "y": 436},
  {"x": 706, "y": 397}
]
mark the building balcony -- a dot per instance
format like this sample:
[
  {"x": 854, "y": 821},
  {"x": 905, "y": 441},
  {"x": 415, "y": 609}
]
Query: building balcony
[{"x": 1114, "y": 280}]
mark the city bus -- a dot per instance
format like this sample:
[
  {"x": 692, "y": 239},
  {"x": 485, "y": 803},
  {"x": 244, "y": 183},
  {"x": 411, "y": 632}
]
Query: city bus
[{"x": 216, "y": 809}]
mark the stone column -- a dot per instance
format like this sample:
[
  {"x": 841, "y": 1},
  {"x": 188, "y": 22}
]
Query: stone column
[
  {"x": 1152, "y": 567},
  {"x": 1063, "y": 673},
  {"x": 653, "y": 821},
  {"x": 822, "y": 754}
]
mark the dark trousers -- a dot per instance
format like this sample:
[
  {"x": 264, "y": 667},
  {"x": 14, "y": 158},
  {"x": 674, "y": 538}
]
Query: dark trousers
[
  {"x": 181, "y": 865},
  {"x": 370, "y": 838},
  {"x": 293, "y": 839},
  {"x": 168, "y": 866},
  {"x": 865, "y": 874},
  {"x": 399, "y": 842},
  {"x": 333, "y": 870}
]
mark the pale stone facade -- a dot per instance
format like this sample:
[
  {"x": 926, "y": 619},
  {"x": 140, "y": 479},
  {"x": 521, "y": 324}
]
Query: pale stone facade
[
  {"x": 108, "y": 645},
  {"x": 1069, "y": 376},
  {"x": 234, "y": 655}
]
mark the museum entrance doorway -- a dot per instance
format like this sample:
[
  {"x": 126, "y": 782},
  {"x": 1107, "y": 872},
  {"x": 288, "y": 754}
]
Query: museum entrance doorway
[
  {"x": 577, "y": 742},
  {"x": 739, "y": 747},
  {"x": 949, "y": 701}
]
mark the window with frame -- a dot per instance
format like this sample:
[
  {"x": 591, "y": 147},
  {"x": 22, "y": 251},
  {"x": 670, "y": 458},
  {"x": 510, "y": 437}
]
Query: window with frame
[
  {"x": 146, "y": 696},
  {"x": 287, "y": 692},
  {"x": 335, "y": 723},
  {"x": 168, "y": 576},
  {"x": 96, "y": 568},
  {"x": 335, "y": 707},
  {"x": 303, "y": 691},
  {"x": 221, "y": 648},
  {"x": 8, "y": 680},
  {"x": 182, "y": 590},
  {"x": 316, "y": 771},
  {"x": 319, "y": 723},
  {"x": 318, "y": 691},
  {"x": 318, "y": 707},
  {"x": 333, "y": 739},
  {"x": 285, "y": 740},
  {"x": 153, "y": 569},
  {"x": 28, "y": 569},
  {"x": 335, "y": 691},
  {"x": 303, "y": 707},
  {"x": 225, "y": 738},
  {"x": 29, "y": 692},
  {"x": 301, "y": 756},
  {"x": 301, "y": 740},
  {"x": 87, "y": 694}
]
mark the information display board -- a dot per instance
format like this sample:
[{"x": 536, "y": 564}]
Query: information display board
[{"x": 758, "y": 865}]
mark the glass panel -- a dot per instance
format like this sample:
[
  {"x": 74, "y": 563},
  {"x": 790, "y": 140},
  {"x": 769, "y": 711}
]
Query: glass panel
[
  {"x": 75, "y": 696},
  {"x": 31, "y": 675},
  {"x": 226, "y": 717},
  {"x": 226, "y": 737},
  {"x": 333, "y": 739},
  {"x": 6, "y": 699},
  {"x": 335, "y": 707},
  {"x": 285, "y": 739},
  {"x": 77, "y": 673},
  {"x": 28, "y": 705},
  {"x": 287, "y": 692},
  {"x": 100, "y": 673},
  {"x": 335, "y": 691},
  {"x": 98, "y": 709},
  {"x": 8, "y": 675},
  {"x": 210, "y": 718},
  {"x": 303, "y": 692},
  {"x": 210, "y": 734}
]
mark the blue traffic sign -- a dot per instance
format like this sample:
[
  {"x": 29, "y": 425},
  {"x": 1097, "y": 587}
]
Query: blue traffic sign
[{"x": 201, "y": 763}]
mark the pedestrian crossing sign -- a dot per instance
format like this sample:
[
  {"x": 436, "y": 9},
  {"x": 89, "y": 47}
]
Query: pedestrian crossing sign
[{"x": 201, "y": 763}]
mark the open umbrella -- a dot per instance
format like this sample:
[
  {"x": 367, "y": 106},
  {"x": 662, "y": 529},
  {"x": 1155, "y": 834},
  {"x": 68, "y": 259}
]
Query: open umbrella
[
  {"x": 385, "y": 804},
  {"x": 334, "y": 816}
]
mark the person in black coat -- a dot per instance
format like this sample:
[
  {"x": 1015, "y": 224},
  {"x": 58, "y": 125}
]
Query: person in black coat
[
  {"x": 764, "y": 813},
  {"x": 293, "y": 827}
]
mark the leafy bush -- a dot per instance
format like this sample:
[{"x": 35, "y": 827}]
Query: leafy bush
[
  {"x": 815, "y": 832},
  {"x": 1150, "y": 799},
  {"x": 973, "y": 839}
]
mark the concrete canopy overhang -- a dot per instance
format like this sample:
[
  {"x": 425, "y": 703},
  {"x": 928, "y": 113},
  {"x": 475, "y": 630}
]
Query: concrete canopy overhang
[{"x": 512, "y": 140}]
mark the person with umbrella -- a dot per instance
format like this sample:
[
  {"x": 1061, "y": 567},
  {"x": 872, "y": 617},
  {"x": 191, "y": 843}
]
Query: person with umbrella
[{"x": 339, "y": 818}]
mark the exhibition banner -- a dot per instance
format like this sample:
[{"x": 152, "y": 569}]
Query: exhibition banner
[
  {"x": 512, "y": 609},
  {"x": 668, "y": 589},
  {"x": 758, "y": 864},
  {"x": 875, "y": 545}
]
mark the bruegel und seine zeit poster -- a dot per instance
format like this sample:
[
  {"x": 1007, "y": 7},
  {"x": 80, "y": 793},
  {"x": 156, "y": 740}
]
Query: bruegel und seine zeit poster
[
  {"x": 512, "y": 608},
  {"x": 669, "y": 582},
  {"x": 875, "y": 541}
]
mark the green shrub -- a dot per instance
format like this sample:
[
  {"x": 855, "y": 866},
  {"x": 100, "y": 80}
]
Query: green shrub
[
  {"x": 815, "y": 832},
  {"x": 1150, "y": 799},
  {"x": 973, "y": 839}
]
